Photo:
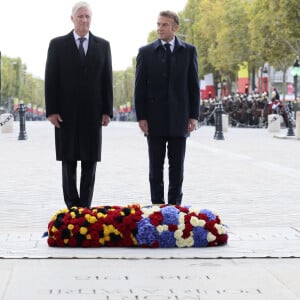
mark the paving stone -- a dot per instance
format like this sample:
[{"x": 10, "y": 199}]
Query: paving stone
[{"x": 251, "y": 178}]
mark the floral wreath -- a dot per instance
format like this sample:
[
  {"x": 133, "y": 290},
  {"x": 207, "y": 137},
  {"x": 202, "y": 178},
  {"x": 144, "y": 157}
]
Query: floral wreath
[{"x": 161, "y": 226}]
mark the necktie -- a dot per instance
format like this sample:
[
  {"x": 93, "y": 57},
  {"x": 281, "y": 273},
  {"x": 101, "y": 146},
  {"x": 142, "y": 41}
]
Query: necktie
[
  {"x": 168, "y": 50},
  {"x": 80, "y": 48}
]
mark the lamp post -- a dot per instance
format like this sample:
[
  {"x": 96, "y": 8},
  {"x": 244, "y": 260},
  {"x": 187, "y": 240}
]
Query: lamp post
[{"x": 296, "y": 72}]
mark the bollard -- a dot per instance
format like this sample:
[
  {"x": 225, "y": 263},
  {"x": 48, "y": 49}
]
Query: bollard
[
  {"x": 290, "y": 120},
  {"x": 218, "y": 115},
  {"x": 22, "y": 133}
]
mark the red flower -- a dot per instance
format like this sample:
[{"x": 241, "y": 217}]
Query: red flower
[
  {"x": 222, "y": 239},
  {"x": 72, "y": 242},
  {"x": 173, "y": 227},
  {"x": 156, "y": 218}
]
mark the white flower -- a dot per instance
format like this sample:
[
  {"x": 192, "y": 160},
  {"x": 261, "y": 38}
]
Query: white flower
[
  {"x": 147, "y": 211},
  {"x": 220, "y": 228},
  {"x": 181, "y": 227},
  {"x": 162, "y": 228},
  {"x": 178, "y": 234},
  {"x": 194, "y": 210},
  {"x": 181, "y": 217},
  {"x": 188, "y": 242},
  {"x": 211, "y": 237},
  {"x": 197, "y": 222}
]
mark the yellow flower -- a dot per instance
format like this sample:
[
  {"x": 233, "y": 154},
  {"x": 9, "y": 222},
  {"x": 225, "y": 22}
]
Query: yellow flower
[
  {"x": 101, "y": 241},
  {"x": 70, "y": 226},
  {"x": 100, "y": 215},
  {"x": 134, "y": 239},
  {"x": 93, "y": 219},
  {"x": 73, "y": 215},
  {"x": 54, "y": 229},
  {"x": 88, "y": 237},
  {"x": 66, "y": 241},
  {"x": 90, "y": 219},
  {"x": 83, "y": 230}
]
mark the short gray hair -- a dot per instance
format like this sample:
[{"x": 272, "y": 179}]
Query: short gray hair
[
  {"x": 79, "y": 5},
  {"x": 170, "y": 14}
]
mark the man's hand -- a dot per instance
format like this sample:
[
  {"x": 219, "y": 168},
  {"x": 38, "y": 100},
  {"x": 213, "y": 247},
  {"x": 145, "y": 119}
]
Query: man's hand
[
  {"x": 144, "y": 126},
  {"x": 105, "y": 120},
  {"x": 192, "y": 125},
  {"x": 55, "y": 119}
]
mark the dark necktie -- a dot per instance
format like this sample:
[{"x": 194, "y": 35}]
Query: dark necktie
[
  {"x": 80, "y": 48},
  {"x": 168, "y": 50}
]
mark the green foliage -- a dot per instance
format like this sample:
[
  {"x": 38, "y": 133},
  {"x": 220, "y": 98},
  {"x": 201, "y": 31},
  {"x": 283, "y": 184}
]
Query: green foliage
[
  {"x": 123, "y": 87},
  {"x": 17, "y": 83}
]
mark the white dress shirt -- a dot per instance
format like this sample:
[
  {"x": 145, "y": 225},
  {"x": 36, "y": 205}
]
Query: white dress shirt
[{"x": 85, "y": 43}]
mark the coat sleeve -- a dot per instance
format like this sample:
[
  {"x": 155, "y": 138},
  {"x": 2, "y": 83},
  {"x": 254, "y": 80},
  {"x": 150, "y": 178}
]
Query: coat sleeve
[
  {"x": 108, "y": 84},
  {"x": 51, "y": 77},
  {"x": 194, "y": 88},
  {"x": 140, "y": 90}
]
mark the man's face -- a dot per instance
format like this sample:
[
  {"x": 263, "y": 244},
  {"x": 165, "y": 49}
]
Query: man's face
[
  {"x": 82, "y": 21},
  {"x": 166, "y": 28}
]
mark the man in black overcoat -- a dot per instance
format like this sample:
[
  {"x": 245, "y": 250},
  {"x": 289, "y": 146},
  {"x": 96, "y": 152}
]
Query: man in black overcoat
[
  {"x": 79, "y": 101},
  {"x": 167, "y": 102}
]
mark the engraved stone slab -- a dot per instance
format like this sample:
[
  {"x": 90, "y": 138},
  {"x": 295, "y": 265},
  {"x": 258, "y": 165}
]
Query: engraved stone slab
[{"x": 152, "y": 279}]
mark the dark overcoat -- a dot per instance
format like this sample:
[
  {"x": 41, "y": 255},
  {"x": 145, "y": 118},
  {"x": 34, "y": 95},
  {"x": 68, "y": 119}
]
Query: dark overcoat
[
  {"x": 81, "y": 92},
  {"x": 167, "y": 102}
]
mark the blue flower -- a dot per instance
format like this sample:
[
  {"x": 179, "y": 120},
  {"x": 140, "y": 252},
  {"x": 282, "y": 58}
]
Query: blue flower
[
  {"x": 200, "y": 237},
  {"x": 170, "y": 215},
  {"x": 211, "y": 216},
  {"x": 147, "y": 233},
  {"x": 167, "y": 240}
]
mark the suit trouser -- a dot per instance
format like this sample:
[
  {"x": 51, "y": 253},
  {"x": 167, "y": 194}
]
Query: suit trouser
[
  {"x": 176, "y": 152},
  {"x": 87, "y": 181}
]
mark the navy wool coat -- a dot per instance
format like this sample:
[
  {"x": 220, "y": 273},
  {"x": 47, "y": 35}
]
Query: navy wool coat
[
  {"x": 167, "y": 102},
  {"x": 81, "y": 92}
]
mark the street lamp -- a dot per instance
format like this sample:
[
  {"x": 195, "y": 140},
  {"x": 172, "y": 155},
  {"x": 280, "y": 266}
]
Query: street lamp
[{"x": 296, "y": 72}]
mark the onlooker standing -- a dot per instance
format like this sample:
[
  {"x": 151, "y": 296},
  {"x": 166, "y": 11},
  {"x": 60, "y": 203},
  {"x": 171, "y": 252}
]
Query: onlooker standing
[
  {"x": 167, "y": 100},
  {"x": 79, "y": 101}
]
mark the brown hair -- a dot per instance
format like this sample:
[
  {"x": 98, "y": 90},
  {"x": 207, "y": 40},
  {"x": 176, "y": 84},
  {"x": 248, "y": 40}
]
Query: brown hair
[{"x": 171, "y": 15}]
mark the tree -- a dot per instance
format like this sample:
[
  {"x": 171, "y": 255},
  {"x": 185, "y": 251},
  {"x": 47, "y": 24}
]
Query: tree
[{"x": 272, "y": 36}]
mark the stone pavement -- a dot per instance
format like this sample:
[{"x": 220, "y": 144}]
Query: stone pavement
[{"x": 251, "y": 178}]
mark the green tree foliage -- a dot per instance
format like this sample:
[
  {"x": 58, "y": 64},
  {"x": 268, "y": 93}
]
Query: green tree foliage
[
  {"x": 123, "y": 87},
  {"x": 17, "y": 83},
  {"x": 274, "y": 31}
]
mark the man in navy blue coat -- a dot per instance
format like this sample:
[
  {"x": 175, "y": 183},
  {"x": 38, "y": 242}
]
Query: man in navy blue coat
[
  {"x": 167, "y": 97},
  {"x": 79, "y": 101}
]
